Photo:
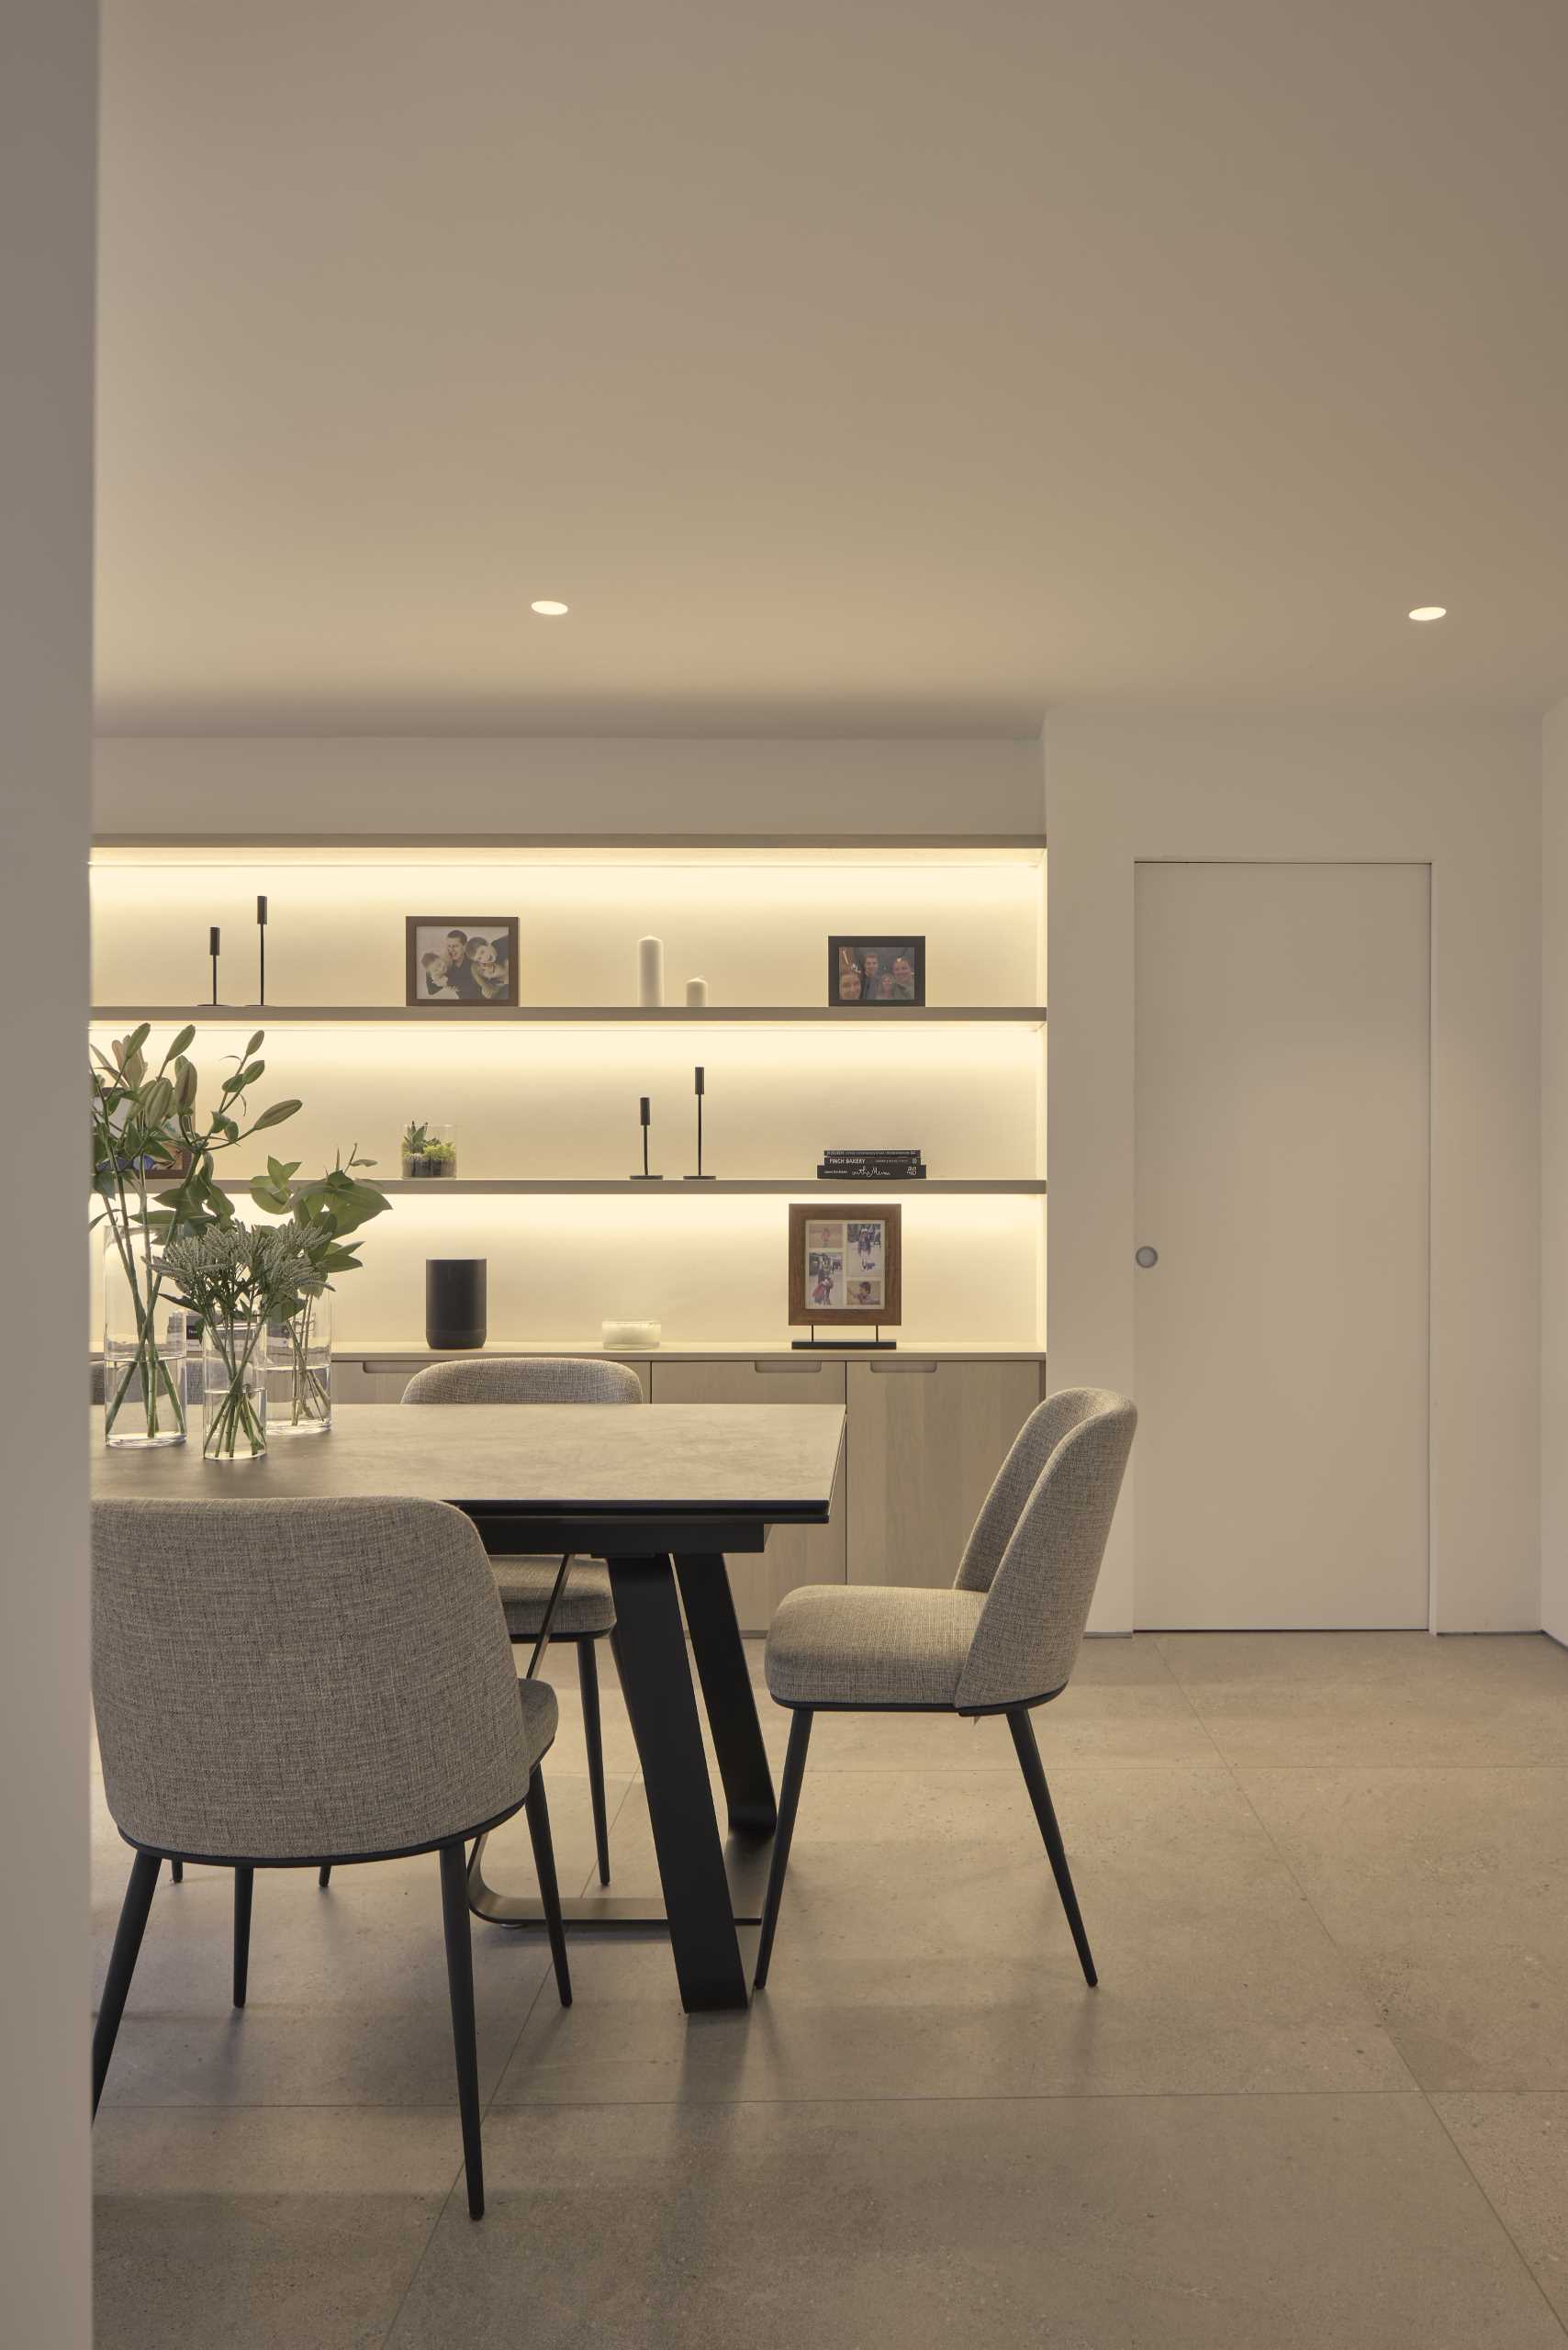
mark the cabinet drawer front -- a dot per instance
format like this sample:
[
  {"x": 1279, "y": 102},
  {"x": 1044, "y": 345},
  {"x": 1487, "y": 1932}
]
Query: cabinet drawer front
[
  {"x": 795, "y": 1554},
  {"x": 922, "y": 1452},
  {"x": 371, "y": 1378},
  {"x": 761, "y": 1378}
]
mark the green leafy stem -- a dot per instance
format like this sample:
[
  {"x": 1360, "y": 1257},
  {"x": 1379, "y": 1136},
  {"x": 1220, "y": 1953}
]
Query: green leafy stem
[
  {"x": 145, "y": 1128},
  {"x": 322, "y": 1214}
]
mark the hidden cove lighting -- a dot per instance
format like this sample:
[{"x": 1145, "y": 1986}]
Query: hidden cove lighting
[
  {"x": 548, "y": 609},
  {"x": 1417, "y": 611}
]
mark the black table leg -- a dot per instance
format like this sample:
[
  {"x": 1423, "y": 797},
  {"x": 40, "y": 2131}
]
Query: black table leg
[
  {"x": 727, "y": 1692},
  {"x": 650, "y": 1656}
]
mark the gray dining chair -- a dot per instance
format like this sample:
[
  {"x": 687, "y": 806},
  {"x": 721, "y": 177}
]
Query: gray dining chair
[
  {"x": 284, "y": 1684},
  {"x": 1003, "y": 1641},
  {"x": 584, "y": 1611}
]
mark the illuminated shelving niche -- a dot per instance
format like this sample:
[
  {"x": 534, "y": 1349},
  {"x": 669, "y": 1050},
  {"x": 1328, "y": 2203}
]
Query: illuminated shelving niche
[{"x": 543, "y": 1098}]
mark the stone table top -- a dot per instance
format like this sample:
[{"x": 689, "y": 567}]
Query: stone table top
[{"x": 768, "y": 1463}]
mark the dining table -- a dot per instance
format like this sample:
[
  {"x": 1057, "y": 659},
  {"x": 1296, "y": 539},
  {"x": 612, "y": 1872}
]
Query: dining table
[{"x": 661, "y": 1493}]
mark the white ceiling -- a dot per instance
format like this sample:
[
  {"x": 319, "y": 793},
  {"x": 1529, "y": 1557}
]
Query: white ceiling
[{"x": 847, "y": 365}]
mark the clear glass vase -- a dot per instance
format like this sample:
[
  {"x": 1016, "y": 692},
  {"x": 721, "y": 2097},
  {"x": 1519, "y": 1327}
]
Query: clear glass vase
[
  {"x": 233, "y": 1391},
  {"x": 145, "y": 1346},
  {"x": 299, "y": 1371}
]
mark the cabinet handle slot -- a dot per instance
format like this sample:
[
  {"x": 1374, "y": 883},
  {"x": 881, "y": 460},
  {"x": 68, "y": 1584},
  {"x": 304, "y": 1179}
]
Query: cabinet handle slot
[{"x": 883, "y": 1368}]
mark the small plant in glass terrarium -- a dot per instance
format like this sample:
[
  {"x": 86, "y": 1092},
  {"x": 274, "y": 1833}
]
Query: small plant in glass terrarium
[{"x": 429, "y": 1151}]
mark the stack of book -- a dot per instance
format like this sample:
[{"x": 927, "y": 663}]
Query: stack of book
[{"x": 872, "y": 1167}]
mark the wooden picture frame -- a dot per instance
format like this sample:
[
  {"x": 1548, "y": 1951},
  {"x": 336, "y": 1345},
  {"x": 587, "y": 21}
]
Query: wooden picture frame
[
  {"x": 863, "y": 971},
  {"x": 867, "y": 1279},
  {"x": 480, "y": 980}
]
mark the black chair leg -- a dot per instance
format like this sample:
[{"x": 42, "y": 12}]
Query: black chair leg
[
  {"x": 122, "y": 1963},
  {"x": 244, "y": 1885},
  {"x": 324, "y": 1874},
  {"x": 593, "y": 1737},
  {"x": 177, "y": 1871},
  {"x": 549, "y": 1891},
  {"x": 460, "y": 1982},
  {"x": 1028, "y": 1753},
  {"x": 788, "y": 1799}
]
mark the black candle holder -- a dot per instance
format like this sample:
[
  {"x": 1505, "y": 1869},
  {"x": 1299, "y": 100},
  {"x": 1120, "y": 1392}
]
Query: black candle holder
[
  {"x": 702, "y": 1089},
  {"x": 214, "y": 938},
  {"x": 261, "y": 950},
  {"x": 642, "y": 1114}
]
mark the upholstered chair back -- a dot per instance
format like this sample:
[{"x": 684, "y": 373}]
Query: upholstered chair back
[
  {"x": 302, "y": 1680},
  {"x": 1037, "y": 1544},
  {"x": 525, "y": 1379}
]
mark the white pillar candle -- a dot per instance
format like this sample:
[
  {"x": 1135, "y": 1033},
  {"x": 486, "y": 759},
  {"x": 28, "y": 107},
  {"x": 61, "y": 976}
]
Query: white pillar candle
[
  {"x": 696, "y": 994},
  {"x": 650, "y": 972}
]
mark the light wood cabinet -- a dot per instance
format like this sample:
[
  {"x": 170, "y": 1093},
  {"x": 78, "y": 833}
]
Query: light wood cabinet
[
  {"x": 371, "y": 1378},
  {"x": 795, "y": 1554},
  {"x": 926, "y": 1436}
]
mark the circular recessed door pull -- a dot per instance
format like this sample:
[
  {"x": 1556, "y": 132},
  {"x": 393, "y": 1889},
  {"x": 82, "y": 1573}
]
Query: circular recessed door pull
[{"x": 1147, "y": 1257}]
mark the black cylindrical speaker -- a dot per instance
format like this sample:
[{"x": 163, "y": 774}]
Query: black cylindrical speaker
[{"x": 455, "y": 1301}]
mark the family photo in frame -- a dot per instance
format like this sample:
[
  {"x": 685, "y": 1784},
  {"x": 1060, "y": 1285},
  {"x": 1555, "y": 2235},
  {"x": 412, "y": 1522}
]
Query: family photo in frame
[
  {"x": 846, "y": 1264},
  {"x": 869, "y": 974},
  {"x": 460, "y": 960}
]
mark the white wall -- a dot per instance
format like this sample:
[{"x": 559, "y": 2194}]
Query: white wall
[
  {"x": 1467, "y": 800},
  {"x": 48, "y": 162},
  {"x": 248, "y": 786},
  {"x": 1554, "y": 1176}
]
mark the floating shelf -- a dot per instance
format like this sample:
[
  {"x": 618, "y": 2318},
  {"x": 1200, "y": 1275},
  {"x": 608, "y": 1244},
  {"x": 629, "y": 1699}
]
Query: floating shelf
[
  {"x": 451, "y": 1016},
  {"x": 778, "y": 1185}
]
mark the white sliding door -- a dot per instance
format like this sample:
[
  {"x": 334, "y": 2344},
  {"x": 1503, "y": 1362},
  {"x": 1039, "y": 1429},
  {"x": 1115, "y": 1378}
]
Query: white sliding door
[{"x": 1283, "y": 1164}]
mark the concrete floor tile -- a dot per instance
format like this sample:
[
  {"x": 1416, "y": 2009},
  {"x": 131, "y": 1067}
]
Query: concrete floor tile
[
  {"x": 1447, "y": 1890},
  {"x": 922, "y": 1951},
  {"x": 262, "y": 2231},
  {"x": 927, "y": 2129},
  {"x": 348, "y": 1996},
  {"x": 1106, "y": 2223},
  {"x": 1318, "y": 1699},
  {"x": 1517, "y": 2147}
]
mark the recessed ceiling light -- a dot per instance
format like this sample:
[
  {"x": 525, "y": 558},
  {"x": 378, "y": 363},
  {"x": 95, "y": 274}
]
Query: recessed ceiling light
[
  {"x": 552, "y": 611},
  {"x": 1421, "y": 612}
]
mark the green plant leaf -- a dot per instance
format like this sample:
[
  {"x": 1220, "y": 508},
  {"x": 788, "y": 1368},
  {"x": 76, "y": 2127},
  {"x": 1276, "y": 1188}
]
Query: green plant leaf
[
  {"x": 337, "y": 1259},
  {"x": 275, "y": 1115},
  {"x": 367, "y": 1201}
]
